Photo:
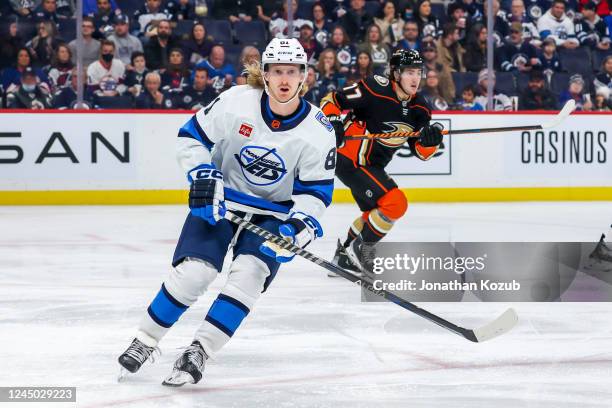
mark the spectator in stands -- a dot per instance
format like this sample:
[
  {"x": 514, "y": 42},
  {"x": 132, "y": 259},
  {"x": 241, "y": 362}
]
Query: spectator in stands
[
  {"x": 604, "y": 78},
  {"x": 475, "y": 58},
  {"x": 536, "y": 96},
  {"x": 197, "y": 95},
  {"x": 266, "y": 10},
  {"x": 517, "y": 54},
  {"x": 356, "y": 20},
  {"x": 457, "y": 14},
  {"x": 152, "y": 11},
  {"x": 66, "y": 97},
  {"x": 602, "y": 8},
  {"x": 220, "y": 73},
  {"x": 450, "y": 52},
  {"x": 548, "y": 59},
  {"x": 592, "y": 31},
  {"x": 518, "y": 14},
  {"x": 603, "y": 102},
  {"x": 11, "y": 76},
  {"x": 10, "y": 43},
  {"x": 501, "y": 29},
  {"x": 310, "y": 45},
  {"x": 468, "y": 100},
  {"x": 91, "y": 46},
  {"x": 60, "y": 68},
  {"x": 363, "y": 69},
  {"x": 328, "y": 67},
  {"x": 176, "y": 75},
  {"x": 152, "y": 97},
  {"x": 431, "y": 91},
  {"x": 313, "y": 95},
  {"x": 134, "y": 78},
  {"x": 198, "y": 46},
  {"x": 42, "y": 47},
  {"x": 429, "y": 25},
  {"x": 125, "y": 43},
  {"x": 378, "y": 50},
  {"x": 279, "y": 24},
  {"x": 103, "y": 18},
  {"x": 346, "y": 54},
  {"x": 47, "y": 11},
  {"x": 249, "y": 55},
  {"x": 501, "y": 102},
  {"x": 183, "y": 10},
  {"x": 410, "y": 39},
  {"x": 391, "y": 25},
  {"x": 555, "y": 24},
  {"x": 575, "y": 91},
  {"x": 30, "y": 94},
  {"x": 473, "y": 9},
  {"x": 23, "y": 8},
  {"x": 430, "y": 57},
  {"x": 105, "y": 76},
  {"x": 235, "y": 10},
  {"x": 158, "y": 48},
  {"x": 90, "y": 7},
  {"x": 323, "y": 26}
]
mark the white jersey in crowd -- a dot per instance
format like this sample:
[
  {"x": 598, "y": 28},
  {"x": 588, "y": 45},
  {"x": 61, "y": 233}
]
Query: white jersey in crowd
[
  {"x": 271, "y": 165},
  {"x": 560, "y": 30},
  {"x": 501, "y": 102}
]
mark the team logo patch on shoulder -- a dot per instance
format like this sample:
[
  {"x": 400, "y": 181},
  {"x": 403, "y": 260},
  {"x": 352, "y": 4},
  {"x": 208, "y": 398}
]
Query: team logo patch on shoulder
[
  {"x": 324, "y": 121},
  {"x": 245, "y": 130},
  {"x": 381, "y": 80}
]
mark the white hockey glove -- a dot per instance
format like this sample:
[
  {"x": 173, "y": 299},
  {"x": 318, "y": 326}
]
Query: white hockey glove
[
  {"x": 206, "y": 197},
  {"x": 300, "y": 230}
]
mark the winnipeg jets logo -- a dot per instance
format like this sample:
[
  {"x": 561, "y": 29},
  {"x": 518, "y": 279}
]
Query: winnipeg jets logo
[
  {"x": 261, "y": 166},
  {"x": 392, "y": 127}
]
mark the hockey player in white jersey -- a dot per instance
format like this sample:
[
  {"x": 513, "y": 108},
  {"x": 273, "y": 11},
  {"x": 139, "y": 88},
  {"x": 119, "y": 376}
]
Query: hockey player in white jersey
[{"x": 264, "y": 152}]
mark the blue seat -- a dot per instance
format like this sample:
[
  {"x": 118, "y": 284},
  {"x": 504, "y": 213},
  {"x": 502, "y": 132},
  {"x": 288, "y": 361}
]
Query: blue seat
[
  {"x": 505, "y": 83},
  {"x": 439, "y": 10},
  {"x": 183, "y": 28},
  {"x": 559, "y": 82},
  {"x": 220, "y": 30},
  {"x": 372, "y": 7},
  {"x": 576, "y": 61},
  {"x": 252, "y": 33},
  {"x": 67, "y": 29},
  {"x": 26, "y": 29},
  {"x": 113, "y": 102},
  {"x": 598, "y": 57},
  {"x": 232, "y": 55}
]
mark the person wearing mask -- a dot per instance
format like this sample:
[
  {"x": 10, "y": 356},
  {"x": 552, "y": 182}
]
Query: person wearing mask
[
  {"x": 105, "y": 76},
  {"x": 30, "y": 94}
]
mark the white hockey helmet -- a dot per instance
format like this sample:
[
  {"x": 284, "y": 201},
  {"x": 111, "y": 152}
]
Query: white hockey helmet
[{"x": 284, "y": 51}]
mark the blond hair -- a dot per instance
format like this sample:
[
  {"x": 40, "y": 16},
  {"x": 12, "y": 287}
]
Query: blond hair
[{"x": 255, "y": 76}]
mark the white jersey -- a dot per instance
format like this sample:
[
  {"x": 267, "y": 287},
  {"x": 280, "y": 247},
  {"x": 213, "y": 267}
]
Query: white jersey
[
  {"x": 271, "y": 165},
  {"x": 560, "y": 30}
]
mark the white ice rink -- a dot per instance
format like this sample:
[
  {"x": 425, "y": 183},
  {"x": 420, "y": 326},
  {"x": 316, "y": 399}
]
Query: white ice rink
[{"x": 75, "y": 281}]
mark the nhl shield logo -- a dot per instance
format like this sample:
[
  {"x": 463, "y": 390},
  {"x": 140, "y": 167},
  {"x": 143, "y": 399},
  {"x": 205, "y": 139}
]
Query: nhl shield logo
[{"x": 245, "y": 130}]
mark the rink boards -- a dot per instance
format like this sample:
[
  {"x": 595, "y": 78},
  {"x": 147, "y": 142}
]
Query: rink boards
[{"x": 127, "y": 157}]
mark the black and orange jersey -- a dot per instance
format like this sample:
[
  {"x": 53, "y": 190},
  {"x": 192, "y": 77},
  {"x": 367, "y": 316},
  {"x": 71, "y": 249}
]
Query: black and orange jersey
[{"x": 375, "y": 108}]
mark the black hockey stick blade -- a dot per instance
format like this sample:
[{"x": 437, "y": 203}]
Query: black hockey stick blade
[{"x": 504, "y": 323}]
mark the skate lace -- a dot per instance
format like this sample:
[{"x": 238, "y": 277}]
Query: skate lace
[
  {"x": 195, "y": 355},
  {"x": 140, "y": 352}
]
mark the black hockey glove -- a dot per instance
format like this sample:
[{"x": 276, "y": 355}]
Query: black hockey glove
[
  {"x": 431, "y": 135},
  {"x": 338, "y": 124}
]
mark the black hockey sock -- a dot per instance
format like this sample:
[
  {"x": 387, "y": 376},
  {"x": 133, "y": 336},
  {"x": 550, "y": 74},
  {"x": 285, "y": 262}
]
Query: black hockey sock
[{"x": 369, "y": 234}]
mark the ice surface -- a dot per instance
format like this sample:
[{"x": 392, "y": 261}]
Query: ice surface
[{"x": 75, "y": 281}]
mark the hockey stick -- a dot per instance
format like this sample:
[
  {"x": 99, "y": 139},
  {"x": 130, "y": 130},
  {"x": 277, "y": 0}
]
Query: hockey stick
[
  {"x": 568, "y": 108},
  {"x": 497, "y": 327}
]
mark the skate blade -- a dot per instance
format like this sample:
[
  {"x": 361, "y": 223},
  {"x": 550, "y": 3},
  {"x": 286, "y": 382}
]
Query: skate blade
[
  {"x": 178, "y": 379},
  {"x": 123, "y": 374}
]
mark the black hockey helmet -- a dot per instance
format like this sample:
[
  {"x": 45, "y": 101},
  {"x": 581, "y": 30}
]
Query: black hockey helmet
[{"x": 405, "y": 59}]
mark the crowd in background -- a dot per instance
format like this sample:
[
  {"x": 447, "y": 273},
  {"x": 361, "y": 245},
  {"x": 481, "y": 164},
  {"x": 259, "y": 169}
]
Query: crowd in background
[{"x": 180, "y": 54}]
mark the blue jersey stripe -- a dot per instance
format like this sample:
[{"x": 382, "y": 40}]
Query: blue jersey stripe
[
  {"x": 321, "y": 189},
  {"x": 193, "y": 129}
]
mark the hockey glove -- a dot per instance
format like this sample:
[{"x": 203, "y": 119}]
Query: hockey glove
[
  {"x": 431, "y": 135},
  {"x": 300, "y": 230},
  {"x": 338, "y": 124},
  {"x": 206, "y": 198}
]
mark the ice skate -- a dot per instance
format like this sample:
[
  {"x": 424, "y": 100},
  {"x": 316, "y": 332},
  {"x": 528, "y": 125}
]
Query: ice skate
[
  {"x": 134, "y": 357},
  {"x": 362, "y": 254},
  {"x": 342, "y": 260},
  {"x": 189, "y": 367}
]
